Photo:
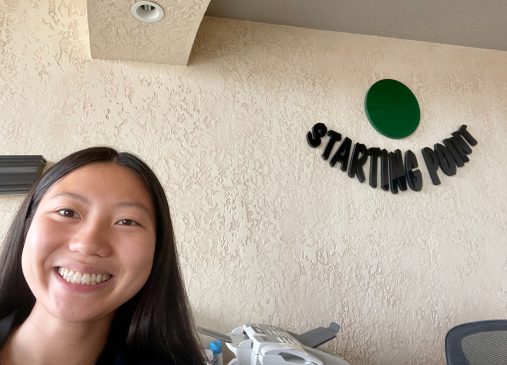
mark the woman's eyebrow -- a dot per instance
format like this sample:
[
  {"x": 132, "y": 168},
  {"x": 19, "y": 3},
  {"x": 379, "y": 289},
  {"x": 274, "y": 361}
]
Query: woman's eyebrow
[
  {"x": 127, "y": 204},
  {"x": 71, "y": 195},
  {"x": 134, "y": 205}
]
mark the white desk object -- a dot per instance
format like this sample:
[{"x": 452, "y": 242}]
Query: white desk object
[{"x": 258, "y": 344}]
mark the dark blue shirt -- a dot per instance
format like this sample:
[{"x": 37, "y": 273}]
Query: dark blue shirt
[{"x": 113, "y": 353}]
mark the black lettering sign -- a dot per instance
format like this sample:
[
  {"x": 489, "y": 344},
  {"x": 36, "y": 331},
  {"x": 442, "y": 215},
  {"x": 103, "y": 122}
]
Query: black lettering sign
[{"x": 396, "y": 173}]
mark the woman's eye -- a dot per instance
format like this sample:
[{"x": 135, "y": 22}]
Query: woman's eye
[
  {"x": 67, "y": 213},
  {"x": 127, "y": 222}
]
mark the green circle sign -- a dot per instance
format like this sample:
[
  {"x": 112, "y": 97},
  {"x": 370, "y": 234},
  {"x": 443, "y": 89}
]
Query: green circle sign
[{"x": 392, "y": 108}]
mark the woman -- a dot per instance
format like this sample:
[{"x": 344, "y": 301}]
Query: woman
[{"x": 89, "y": 272}]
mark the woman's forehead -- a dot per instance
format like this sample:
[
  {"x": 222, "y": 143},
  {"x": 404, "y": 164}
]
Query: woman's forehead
[{"x": 105, "y": 180}]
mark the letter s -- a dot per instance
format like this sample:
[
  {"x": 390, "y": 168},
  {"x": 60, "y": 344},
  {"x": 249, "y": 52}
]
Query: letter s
[{"x": 313, "y": 138}]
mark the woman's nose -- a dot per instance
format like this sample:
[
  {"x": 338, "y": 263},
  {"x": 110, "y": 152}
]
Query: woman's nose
[{"x": 91, "y": 239}]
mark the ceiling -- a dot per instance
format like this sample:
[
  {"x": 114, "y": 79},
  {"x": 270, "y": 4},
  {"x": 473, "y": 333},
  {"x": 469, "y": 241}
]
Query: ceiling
[
  {"x": 115, "y": 34},
  {"x": 471, "y": 23}
]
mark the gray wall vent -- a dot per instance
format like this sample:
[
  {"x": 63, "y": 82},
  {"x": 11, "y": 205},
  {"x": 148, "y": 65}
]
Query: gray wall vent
[{"x": 18, "y": 173}]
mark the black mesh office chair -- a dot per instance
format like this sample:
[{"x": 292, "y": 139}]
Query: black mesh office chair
[{"x": 477, "y": 343}]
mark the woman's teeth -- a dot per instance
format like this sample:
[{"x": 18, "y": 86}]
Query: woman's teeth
[{"x": 76, "y": 277}]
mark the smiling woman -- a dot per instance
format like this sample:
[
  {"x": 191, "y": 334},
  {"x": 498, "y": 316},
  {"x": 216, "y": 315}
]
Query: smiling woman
[{"x": 89, "y": 272}]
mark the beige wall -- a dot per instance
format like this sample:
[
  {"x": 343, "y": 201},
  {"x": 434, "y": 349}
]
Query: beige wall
[{"x": 267, "y": 231}]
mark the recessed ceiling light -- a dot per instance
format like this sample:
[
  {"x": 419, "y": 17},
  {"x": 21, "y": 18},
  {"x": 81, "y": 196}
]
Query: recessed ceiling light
[{"x": 147, "y": 11}]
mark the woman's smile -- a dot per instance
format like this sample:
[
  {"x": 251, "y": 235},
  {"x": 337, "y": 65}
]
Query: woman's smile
[{"x": 82, "y": 278}]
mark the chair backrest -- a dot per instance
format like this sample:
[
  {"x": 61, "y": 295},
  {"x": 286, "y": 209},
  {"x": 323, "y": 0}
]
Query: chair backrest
[{"x": 477, "y": 343}]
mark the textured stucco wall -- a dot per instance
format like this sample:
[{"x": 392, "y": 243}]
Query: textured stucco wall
[{"x": 268, "y": 231}]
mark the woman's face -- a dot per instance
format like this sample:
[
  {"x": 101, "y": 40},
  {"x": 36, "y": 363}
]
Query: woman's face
[{"x": 91, "y": 243}]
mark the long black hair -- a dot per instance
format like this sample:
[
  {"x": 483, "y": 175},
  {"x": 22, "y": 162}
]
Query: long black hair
[{"x": 157, "y": 320}]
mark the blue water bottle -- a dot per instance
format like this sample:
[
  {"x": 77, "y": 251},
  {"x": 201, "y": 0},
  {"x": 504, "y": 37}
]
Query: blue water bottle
[{"x": 216, "y": 347}]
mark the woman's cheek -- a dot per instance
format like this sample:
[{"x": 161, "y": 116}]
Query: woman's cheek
[
  {"x": 45, "y": 235},
  {"x": 140, "y": 256}
]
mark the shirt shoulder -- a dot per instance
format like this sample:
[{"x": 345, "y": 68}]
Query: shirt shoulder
[{"x": 124, "y": 358}]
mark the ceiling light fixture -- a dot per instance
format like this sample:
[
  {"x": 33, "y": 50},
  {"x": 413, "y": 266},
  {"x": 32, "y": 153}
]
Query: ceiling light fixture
[{"x": 147, "y": 11}]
